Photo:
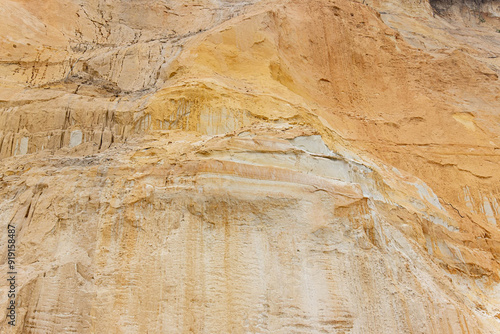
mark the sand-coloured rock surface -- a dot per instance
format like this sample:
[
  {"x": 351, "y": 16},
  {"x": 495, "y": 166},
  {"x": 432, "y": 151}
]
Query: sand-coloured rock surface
[{"x": 281, "y": 166}]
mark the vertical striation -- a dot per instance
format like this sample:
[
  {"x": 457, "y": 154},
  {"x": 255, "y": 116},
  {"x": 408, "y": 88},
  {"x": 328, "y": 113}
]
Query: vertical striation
[{"x": 274, "y": 166}]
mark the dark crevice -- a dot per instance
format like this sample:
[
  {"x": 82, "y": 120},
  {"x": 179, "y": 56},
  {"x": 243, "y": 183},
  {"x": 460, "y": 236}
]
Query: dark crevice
[{"x": 467, "y": 9}]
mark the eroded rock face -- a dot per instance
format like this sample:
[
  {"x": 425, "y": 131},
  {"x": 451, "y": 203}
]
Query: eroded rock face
[
  {"x": 249, "y": 167},
  {"x": 469, "y": 11}
]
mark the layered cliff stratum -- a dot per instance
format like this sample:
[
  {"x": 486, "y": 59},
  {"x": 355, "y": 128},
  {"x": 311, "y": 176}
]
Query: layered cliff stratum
[{"x": 227, "y": 166}]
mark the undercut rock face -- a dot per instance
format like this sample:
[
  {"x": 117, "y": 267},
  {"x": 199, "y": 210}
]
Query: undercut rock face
[{"x": 250, "y": 166}]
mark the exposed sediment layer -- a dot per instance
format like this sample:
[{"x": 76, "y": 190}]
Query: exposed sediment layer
[{"x": 250, "y": 167}]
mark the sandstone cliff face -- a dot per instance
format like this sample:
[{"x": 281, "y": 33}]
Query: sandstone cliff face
[{"x": 250, "y": 166}]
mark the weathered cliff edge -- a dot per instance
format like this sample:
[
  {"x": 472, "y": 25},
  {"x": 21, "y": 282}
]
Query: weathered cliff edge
[{"x": 251, "y": 166}]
